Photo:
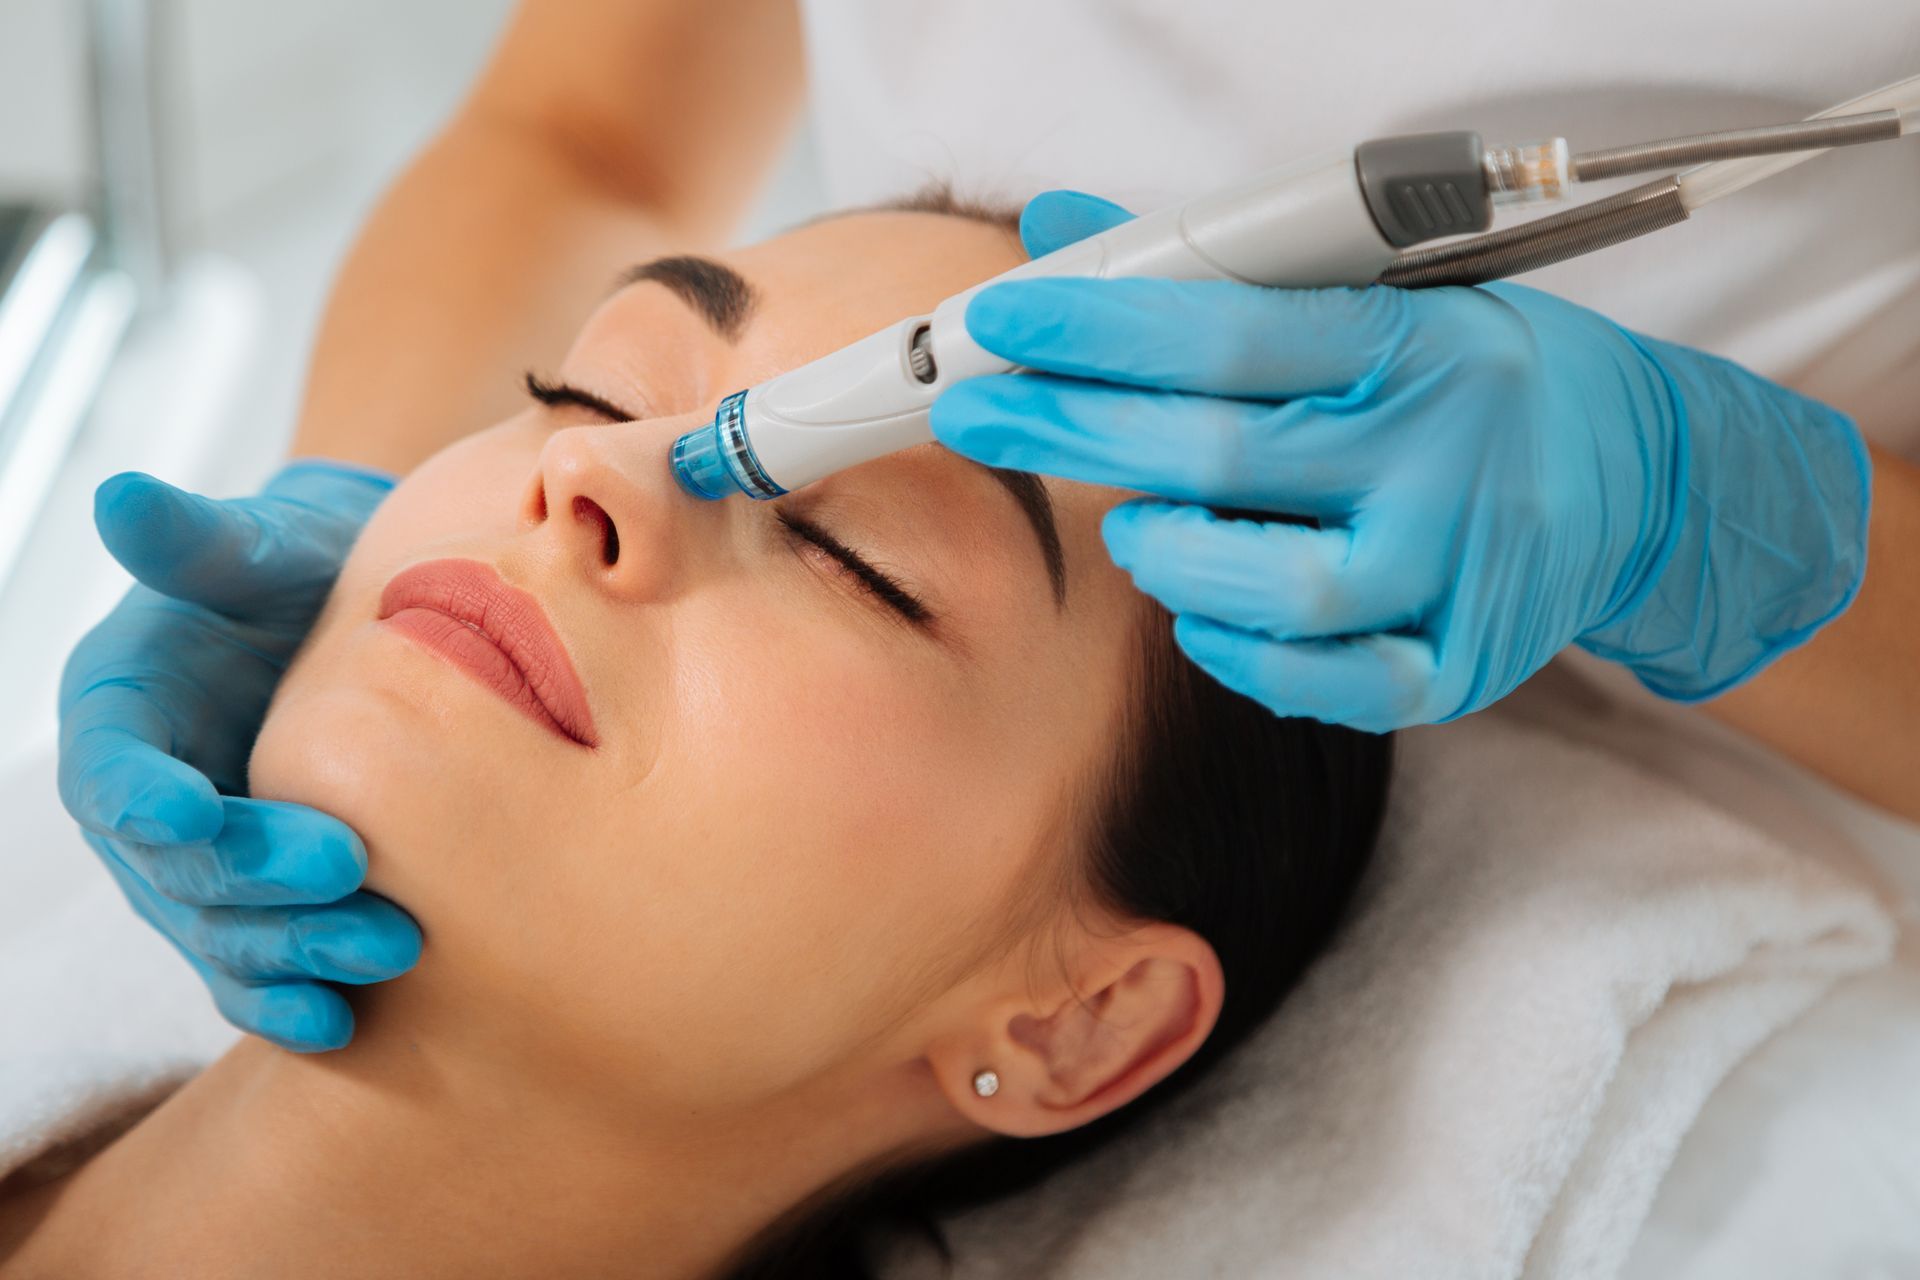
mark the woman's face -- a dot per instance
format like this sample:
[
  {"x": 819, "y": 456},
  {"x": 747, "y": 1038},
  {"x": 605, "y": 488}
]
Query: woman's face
[{"x": 804, "y": 813}]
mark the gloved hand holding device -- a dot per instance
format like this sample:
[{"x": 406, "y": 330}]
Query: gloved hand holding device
[
  {"x": 1495, "y": 474},
  {"x": 159, "y": 707}
]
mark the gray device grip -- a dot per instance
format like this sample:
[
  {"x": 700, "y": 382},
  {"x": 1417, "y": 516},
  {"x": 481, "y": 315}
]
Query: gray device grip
[{"x": 1421, "y": 186}]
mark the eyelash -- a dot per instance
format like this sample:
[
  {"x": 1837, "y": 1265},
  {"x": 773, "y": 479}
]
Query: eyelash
[
  {"x": 856, "y": 570},
  {"x": 556, "y": 394}
]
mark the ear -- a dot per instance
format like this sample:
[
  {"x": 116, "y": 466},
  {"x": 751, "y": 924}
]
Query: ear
[{"x": 1129, "y": 1011}]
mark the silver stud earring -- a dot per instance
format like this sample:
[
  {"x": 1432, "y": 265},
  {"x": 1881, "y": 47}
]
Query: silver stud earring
[{"x": 986, "y": 1083}]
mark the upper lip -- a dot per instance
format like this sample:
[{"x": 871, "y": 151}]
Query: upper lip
[{"x": 474, "y": 593}]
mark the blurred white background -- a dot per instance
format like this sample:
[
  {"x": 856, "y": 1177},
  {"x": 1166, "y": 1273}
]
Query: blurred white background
[{"x": 278, "y": 125}]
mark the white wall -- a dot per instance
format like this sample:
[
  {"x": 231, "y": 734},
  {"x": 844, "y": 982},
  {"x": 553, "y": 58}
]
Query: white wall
[
  {"x": 280, "y": 124},
  {"x": 259, "y": 98},
  {"x": 41, "y": 125},
  {"x": 276, "y": 100}
]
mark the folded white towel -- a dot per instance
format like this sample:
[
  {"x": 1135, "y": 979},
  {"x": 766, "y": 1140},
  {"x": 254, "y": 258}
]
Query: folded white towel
[{"x": 1554, "y": 960}]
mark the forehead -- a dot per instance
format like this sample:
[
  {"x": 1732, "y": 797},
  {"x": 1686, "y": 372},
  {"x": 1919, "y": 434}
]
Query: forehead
[{"x": 863, "y": 270}]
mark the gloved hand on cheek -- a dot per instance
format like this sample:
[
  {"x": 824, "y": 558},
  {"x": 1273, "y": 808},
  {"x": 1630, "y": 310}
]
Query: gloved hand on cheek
[{"x": 159, "y": 707}]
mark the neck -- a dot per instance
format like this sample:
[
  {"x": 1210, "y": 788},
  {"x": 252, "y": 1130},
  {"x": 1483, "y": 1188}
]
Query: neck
[{"x": 392, "y": 1158}]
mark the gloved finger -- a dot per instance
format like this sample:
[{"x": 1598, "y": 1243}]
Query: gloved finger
[
  {"x": 1226, "y": 453},
  {"x": 359, "y": 939},
  {"x": 226, "y": 556},
  {"x": 1375, "y": 682},
  {"x": 1054, "y": 219},
  {"x": 1286, "y": 581},
  {"x": 266, "y": 854},
  {"x": 1218, "y": 337},
  {"x": 117, "y": 778},
  {"x": 304, "y": 1016}
]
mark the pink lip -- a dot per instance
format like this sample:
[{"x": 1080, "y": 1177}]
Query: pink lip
[{"x": 462, "y": 611}]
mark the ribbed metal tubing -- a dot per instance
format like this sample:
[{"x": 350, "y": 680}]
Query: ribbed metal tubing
[
  {"x": 1543, "y": 241},
  {"x": 1732, "y": 144}
]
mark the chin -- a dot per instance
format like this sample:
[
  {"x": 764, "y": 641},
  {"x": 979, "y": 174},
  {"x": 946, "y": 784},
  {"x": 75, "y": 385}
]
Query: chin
[{"x": 397, "y": 766}]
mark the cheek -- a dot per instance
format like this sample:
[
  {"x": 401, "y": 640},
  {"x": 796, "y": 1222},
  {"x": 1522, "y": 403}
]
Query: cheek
[{"x": 809, "y": 846}]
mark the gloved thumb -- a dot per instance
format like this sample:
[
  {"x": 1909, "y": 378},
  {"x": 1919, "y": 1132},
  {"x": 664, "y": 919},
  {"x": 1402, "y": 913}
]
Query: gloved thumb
[
  {"x": 1055, "y": 219},
  {"x": 233, "y": 556}
]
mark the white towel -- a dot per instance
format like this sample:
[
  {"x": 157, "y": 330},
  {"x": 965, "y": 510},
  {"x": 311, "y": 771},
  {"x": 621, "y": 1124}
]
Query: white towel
[
  {"x": 1555, "y": 959},
  {"x": 99, "y": 1018}
]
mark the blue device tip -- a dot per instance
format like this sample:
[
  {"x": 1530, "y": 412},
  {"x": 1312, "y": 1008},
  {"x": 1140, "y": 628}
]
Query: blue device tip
[
  {"x": 700, "y": 465},
  {"x": 718, "y": 461}
]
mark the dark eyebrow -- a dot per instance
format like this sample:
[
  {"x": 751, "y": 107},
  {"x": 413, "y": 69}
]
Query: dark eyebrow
[
  {"x": 720, "y": 294},
  {"x": 1037, "y": 505}
]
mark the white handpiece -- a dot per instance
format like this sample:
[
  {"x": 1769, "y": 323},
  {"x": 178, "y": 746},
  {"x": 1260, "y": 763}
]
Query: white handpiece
[
  {"x": 1336, "y": 220},
  {"x": 1304, "y": 225}
]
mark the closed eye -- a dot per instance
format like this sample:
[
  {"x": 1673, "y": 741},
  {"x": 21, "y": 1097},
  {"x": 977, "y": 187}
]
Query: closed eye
[
  {"x": 554, "y": 393},
  {"x": 858, "y": 570}
]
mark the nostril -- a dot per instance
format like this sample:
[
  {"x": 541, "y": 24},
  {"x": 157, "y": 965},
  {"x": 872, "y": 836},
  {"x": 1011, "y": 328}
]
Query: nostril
[{"x": 587, "y": 511}]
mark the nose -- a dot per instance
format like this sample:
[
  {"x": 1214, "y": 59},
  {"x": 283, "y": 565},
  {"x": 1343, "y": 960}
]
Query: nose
[{"x": 605, "y": 496}]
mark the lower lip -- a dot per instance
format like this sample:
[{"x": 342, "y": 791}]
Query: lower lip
[{"x": 473, "y": 653}]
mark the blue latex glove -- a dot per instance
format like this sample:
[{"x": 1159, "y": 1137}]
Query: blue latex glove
[
  {"x": 159, "y": 707},
  {"x": 1495, "y": 473}
]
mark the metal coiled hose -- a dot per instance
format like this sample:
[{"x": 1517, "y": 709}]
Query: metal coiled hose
[{"x": 1543, "y": 241}]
